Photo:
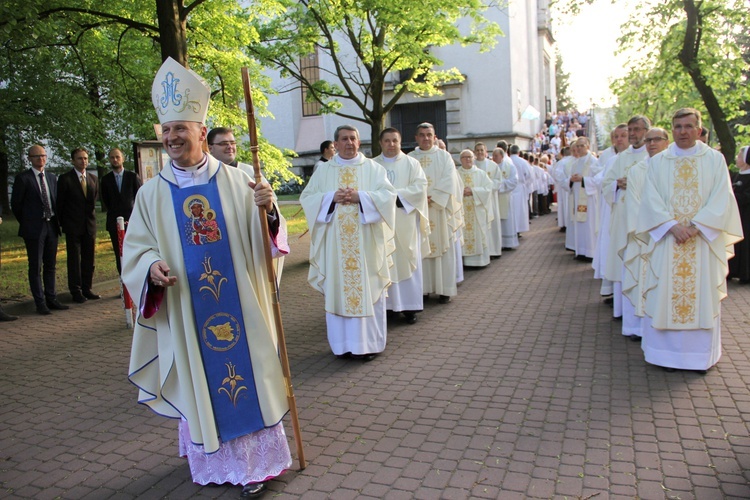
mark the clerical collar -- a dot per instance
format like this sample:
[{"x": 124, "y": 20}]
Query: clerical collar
[
  {"x": 350, "y": 161},
  {"x": 192, "y": 169},
  {"x": 233, "y": 164},
  {"x": 433, "y": 148},
  {"x": 744, "y": 172},
  {"x": 678, "y": 151},
  {"x": 390, "y": 160},
  {"x": 641, "y": 149}
]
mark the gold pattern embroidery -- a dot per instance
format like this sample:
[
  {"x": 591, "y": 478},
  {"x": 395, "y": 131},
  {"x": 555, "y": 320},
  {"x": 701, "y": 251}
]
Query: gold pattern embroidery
[
  {"x": 348, "y": 222},
  {"x": 686, "y": 201},
  {"x": 233, "y": 392},
  {"x": 469, "y": 217},
  {"x": 211, "y": 275}
]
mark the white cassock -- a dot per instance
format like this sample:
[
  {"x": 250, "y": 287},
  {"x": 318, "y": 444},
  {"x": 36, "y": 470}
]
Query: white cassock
[
  {"x": 583, "y": 202},
  {"x": 439, "y": 265},
  {"x": 166, "y": 361},
  {"x": 561, "y": 176},
  {"x": 521, "y": 193},
  {"x": 458, "y": 207},
  {"x": 496, "y": 232},
  {"x": 477, "y": 216},
  {"x": 350, "y": 250},
  {"x": 411, "y": 232},
  {"x": 683, "y": 285},
  {"x": 602, "y": 234},
  {"x": 508, "y": 183},
  {"x": 613, "y": 266}
]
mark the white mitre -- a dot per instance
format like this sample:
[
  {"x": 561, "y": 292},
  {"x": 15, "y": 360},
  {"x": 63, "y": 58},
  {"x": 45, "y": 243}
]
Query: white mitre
[{"x": 179, "y": 94}]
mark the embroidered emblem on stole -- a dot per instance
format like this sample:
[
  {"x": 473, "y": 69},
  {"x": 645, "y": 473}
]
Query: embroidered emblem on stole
[
  {"x": 217, "y": 310},
  {"x": 470, "y": 217},
  {"x": 347, "y": 218},
  {"x": 686, "y": 200}
]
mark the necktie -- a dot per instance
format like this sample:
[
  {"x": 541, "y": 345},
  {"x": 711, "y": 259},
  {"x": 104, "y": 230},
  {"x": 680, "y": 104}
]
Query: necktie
[
  {"x": 118, "y": 178},
  {"x": 83, "y": 184},
  {"x": 45, "y": 199}
]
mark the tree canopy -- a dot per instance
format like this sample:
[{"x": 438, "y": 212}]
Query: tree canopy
[
  {"x": 79, "y": 73},
  {"x": 361, "y": 42}
]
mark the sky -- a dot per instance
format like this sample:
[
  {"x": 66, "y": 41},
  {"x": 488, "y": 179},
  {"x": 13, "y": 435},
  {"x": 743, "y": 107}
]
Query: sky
[{"x": 588, "y": 43}]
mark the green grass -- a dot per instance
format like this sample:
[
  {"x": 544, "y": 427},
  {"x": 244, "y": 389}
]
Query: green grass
[{"x": 14, "y": 283}]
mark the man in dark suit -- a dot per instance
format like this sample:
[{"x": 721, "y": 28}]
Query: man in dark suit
[
  {"x": 34, "y": 203},
  {"x": 76, "y": 204},
  {"x": 118, "y": 189}
]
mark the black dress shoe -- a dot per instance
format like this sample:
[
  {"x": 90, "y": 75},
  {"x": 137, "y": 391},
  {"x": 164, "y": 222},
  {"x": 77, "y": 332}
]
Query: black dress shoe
[
  {"x": 346, "y": 355},
  {"x": 7, "y": 317},
  {"x": 43, "y": 310},
  {"x": 608, "y": 300},
  {"x": 410, "y": 317},
  {"x": 79, "y": 298},
  {"x": 54, "y": 304},
  {"x": 444, "y": 299},
  {"x": 617, "y": 318},
  {"x": 636, "y": 338},
  {"x": 364, "y": 357},
  {"x": 91, "y": 296},
  {"x": 253, "y": 490}
]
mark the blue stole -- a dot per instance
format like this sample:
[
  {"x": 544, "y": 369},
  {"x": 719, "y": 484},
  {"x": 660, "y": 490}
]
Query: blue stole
[{"x": 217, "y": 309}]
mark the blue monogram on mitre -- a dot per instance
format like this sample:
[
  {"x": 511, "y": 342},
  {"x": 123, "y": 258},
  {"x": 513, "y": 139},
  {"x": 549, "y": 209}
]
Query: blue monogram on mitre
[
  {"x": 179, "y": 94},
  {"x": 171, "y": 95}
]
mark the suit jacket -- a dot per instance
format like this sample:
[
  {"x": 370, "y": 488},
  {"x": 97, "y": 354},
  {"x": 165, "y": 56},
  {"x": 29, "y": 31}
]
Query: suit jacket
[
  {"x": 119, "y": 203},
  {"x": 27, "y": 206},
  {"x": 75, "y": 212}
]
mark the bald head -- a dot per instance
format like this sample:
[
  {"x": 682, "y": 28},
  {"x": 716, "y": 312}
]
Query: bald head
[{"x": 37, "y": 157}]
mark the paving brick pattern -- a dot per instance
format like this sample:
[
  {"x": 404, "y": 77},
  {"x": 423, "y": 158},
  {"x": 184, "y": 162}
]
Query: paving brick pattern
[{"x": 522, "y": 387}]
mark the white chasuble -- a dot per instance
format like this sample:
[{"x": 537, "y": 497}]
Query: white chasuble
[
  {"x": 684, "y": 284},
  {"x": 165, "y": 361},
  {"x": 350, "y": 243},
  {"x": 477, "y": 216},
  {"x": 618, "y": 201},
  {"x": 493, "y": 172},
  {"x": 583, "y": 206}
]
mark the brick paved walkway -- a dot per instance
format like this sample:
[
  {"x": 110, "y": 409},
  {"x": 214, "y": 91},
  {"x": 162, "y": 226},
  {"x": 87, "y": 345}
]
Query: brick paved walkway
[{"x": 522, "y": 387}]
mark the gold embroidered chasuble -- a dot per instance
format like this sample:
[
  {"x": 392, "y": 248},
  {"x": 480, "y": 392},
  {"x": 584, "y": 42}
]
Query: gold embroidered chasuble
[
  {"x": 444, "y": 209},
  {"x": 683, "y": 285},
  {"x": 406, "y": 175},
  {"x": 349, "y": 258},
  {"x": 477, "y": 211},
  {"x": 508, "y": 181},
  {"x": 618, "y": 200},
  {"x": 583, "y": 195}
]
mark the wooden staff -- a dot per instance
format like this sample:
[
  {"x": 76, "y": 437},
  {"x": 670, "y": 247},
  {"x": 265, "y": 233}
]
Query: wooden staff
[{"x": 272, "y": 274}]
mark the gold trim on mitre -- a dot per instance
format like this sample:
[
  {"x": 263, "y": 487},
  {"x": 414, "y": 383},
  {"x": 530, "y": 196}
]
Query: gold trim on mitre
[{"x": 179, "y": 94}]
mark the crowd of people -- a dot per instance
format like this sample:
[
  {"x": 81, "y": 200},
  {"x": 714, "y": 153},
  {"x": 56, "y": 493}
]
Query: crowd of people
[{"x": 658, "y": 221}]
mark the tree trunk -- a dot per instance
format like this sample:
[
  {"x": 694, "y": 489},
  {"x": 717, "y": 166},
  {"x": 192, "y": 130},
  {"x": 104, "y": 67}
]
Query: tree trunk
[
  {"x": 689, "y": 58},
  {"x": 4, "y": 169},
  {"x": 172, "y": 31}
]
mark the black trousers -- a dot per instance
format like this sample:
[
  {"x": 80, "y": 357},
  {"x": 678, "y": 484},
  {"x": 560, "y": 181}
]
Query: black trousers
[
  {"x": 42, "y": 252},
  {"x": 116, "y": 248},
  {"x": 80, "y": 249}
]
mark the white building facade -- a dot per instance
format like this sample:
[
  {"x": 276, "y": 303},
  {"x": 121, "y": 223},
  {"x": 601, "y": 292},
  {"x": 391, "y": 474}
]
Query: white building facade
[{"x": 499, "y": 85}]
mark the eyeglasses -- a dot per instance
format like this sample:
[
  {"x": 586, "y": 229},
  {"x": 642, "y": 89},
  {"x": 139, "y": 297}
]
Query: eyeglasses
[
  {"x": 37, "y": 156},
  {"x": 224, "y": 144},
  {"x": 655, "y": 139}
]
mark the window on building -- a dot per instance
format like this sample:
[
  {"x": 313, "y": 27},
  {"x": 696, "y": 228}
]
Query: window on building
[
  {"x": 406, "y": 117},
  {"x": 310, "y": 70}
]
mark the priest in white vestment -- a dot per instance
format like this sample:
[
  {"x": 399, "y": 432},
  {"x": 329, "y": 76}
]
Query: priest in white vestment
[
  {"x": 522, "y": 191},
  {"x": 477, "y": 206},
  {"x": 634, "y": 266},
  {"x": 583, "y": 201},
  {"x": 688, "y": 222},
  {"x": 619, "y": 137},
  {"x": 561, "y": 176},
  {"x": 614, "y": 187},
  {"x": 351, "y": 208},
  {"x": 439, "y": 270},
  {"x": 490, "y": 168},
  {"x": 508, "y": 181},
  {"x": 412, "y": 228},
  {"x": 204, "y": 345}
]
